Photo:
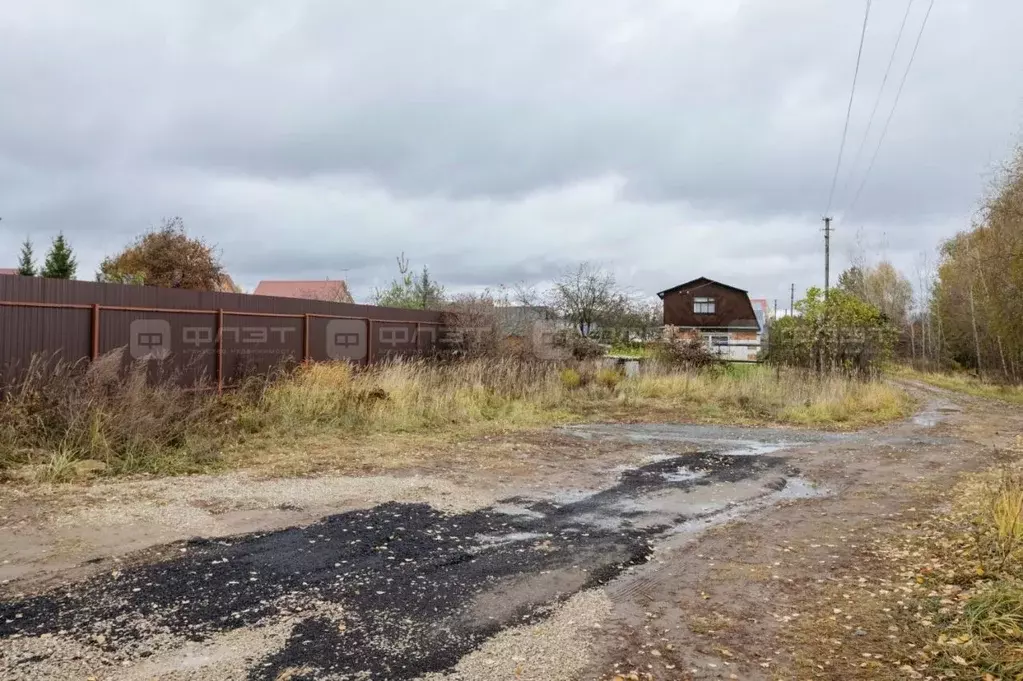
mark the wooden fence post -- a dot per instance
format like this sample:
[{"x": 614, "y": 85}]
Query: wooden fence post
[
  {"x": 369, "y": 342},
  {"x": 305, "y": 339},
  {"x": 220, "y": 350},
  {"x": 95, "y": 332}
]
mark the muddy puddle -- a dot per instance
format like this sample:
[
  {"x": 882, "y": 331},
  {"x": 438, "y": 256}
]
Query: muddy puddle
[{"x": 934, "y": 413}]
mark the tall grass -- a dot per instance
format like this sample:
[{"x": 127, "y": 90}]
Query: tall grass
[
  {"x": 63, "y": 413},
  {"x": 58, "y": 418},
  {"x": 417, "y": 395},
  {"x": 406, "y": 396},
  {"x": 792, "y": 396}
]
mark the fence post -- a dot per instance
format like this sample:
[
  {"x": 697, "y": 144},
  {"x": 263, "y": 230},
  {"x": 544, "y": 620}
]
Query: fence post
[
  {"x": 419, "y": 334},
  {"x": 369, "y": 341},
  {"x": 305, "y": 339},
  {"x": 220, "y": 350},
  {"x": 95, "y": 332}
]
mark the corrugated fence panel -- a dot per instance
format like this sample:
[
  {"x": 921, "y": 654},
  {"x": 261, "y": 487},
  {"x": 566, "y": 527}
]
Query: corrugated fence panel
[
  {"x": 256, "y": 344},
  {"x": 158, "y": 340},
  {"x": 44, "y": 332},
  {"x": 177, "y": 331}
]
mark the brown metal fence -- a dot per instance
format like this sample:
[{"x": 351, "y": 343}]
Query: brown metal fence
[{"x": 197, "y": 335}]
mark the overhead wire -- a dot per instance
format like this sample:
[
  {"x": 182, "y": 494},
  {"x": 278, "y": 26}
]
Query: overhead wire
[
  {"x": 891, "y": 114},
  {"x": 880, "y": 92},
  {"x": 848, "y": 111}
]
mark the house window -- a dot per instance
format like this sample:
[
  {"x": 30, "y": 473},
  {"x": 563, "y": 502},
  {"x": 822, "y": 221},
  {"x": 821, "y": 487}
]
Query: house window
[
  {"x": 703, "y": 305},
  {"x": 718, "y": 341}
]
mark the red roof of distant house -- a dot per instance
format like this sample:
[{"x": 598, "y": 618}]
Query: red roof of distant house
[
  {"x": 333, "y": 290},
  {"x": 8, "y": 270},
  {"x": 761, "y": 303}
]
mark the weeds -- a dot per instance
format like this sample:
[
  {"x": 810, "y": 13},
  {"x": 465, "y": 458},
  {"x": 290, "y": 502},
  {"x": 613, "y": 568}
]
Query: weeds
[
  {"x": 107, "y": 418},
  {"x": 62, "y": 414},
  {"x": 570, "y": 378},
  {"x": 609, "y": 378},
  {"x": 408, "y": 396},
  {"x": 758, "y": 392}
]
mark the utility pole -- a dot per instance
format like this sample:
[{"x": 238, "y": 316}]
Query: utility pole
[
  {"x": 827, "y": 255},
  {"x": 775, "y": 309},
  {"x": 792, "y": 299}
]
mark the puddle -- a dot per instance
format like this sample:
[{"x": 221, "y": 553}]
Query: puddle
[
  {"x": 800, "y": 488},
  {"x": 684, "y": 474},
  {"x": 795, "y": 488},
  {"x": 760, "y": 448},
  {"x": 489, "y": 540},
  {"x": 935, "y": 413},
  {"x": 673, "y": 507}
]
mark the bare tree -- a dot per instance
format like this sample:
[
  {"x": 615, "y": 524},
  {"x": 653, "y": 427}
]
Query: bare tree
[{"x": 588, "y": 296}]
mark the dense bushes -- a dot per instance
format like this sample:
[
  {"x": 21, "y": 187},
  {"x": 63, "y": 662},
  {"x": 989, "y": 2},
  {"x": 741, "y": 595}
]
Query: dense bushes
[
  {"x": 837, "y": 333},
  {"x": 683, "y": 353}
]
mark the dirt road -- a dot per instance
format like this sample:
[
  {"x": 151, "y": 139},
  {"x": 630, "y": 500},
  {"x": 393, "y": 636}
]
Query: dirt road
[{"x": 671, "y": 551}]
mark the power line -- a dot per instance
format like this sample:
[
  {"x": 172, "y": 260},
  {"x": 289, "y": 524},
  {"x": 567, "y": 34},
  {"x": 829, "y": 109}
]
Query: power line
[
  {"x": 848, "y": 111},
  {"x": 891, "y": 114},
  {"x": 880, "y": 92}
]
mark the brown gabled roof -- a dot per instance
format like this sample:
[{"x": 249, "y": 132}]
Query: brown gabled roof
[
  {"x": 8, "y": 270},
  {"x": 699, "y": 281},
  {"x": 333, "y": 290}
]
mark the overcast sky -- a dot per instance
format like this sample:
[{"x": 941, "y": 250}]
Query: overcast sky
[{"x": 500, "y": 140}]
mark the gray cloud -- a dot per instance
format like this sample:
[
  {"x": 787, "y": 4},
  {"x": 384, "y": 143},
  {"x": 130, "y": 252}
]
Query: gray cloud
[{"x": 496, "y": 141}]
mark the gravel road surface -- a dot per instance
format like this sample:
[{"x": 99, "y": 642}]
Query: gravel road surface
[{"x": 403, "y": 591}]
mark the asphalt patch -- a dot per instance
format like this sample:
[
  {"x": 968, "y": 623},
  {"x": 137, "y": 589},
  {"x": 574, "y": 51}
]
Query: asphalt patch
[{"x": 415, "y": 588}]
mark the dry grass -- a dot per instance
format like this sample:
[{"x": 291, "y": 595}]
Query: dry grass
[
  {"x": 63, "y": 414},
  {"x": 759, "y": 393},
  {"x": 964, "y": 383},
  {"x": 58, "y": 419},
  {"x": 412, "y": 396}
]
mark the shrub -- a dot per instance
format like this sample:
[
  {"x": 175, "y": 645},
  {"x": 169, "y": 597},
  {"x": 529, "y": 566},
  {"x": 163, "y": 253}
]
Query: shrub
[
  {"x": 473, "y": 327},
  {"x": 581, "y": 347},
  {"x": 683, "y": 353},
  {"x": 609, "y": 378},
  {"x": 570, "y": 378},
  {"x": 837, "y": 333}
]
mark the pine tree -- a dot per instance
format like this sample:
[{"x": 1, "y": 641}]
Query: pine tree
[
  {"x": 60, "y": 261},
  {"x": 26, "y": 264}
]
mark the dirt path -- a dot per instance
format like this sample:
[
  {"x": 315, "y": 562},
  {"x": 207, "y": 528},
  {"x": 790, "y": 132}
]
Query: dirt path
[
  {"x": 674, "y": 552},
  {"x": 722, "y": 606}
]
